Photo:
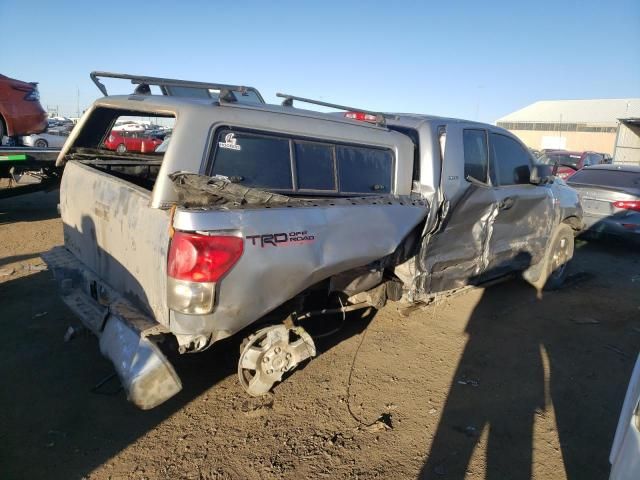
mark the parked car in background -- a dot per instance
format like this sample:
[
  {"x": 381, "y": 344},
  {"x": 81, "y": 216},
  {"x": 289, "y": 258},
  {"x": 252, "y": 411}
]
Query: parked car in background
[
  {"x": 570, "y": 162},
  {"x": 52, "y": 138},
  {"x": 162, "y": 148},
  {"x": 610, "y": 196},
  {"x": 59, "y": 122},
  {"x": 158, "y": 133},
  {"x": 20, "y": 109},
  {"x": 124, "y": 141}
]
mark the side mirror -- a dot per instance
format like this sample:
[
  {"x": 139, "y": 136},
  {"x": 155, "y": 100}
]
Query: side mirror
[{"x": 541, "y": 174}]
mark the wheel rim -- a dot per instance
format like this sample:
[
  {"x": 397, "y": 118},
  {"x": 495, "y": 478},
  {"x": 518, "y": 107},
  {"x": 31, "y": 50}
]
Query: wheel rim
[
  {"x": 41, "y": 144},
  {"x": 268, "y": 354},
  {"x": 121, "y": 148},
  {"x": 561, "y": 255}
]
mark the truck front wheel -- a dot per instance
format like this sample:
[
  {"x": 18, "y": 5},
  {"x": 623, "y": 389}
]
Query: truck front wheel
[{"x": 553, "y": 268}]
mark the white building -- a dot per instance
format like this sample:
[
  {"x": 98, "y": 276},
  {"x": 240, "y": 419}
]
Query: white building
[{"x": 572, "y": 124}]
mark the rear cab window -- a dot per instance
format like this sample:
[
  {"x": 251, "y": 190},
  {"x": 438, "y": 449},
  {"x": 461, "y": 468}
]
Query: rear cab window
[
  {"x": 413, "y": 134},
  {"x": 300, "y": 166},
  {"x": 476, "y": 155}
]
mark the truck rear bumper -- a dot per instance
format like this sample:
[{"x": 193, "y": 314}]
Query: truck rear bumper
[{"x": 147, "y": 376}]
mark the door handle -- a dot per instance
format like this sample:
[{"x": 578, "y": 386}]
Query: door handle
[{"x": 506, "y": 203}]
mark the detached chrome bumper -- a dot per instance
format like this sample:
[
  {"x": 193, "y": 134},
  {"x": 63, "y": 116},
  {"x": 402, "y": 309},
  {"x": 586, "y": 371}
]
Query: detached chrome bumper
[{"x": 145, "y": 373}]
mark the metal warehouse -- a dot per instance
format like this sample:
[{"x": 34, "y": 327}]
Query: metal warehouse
[{"x": 573, "y": 124}]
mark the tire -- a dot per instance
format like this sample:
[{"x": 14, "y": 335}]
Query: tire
[
  {"x": 2, "y": 131},
  {"x": 121, "y": 148},
  {"x": 555, "y": 264},
  {"x": 41, "y": 143}
]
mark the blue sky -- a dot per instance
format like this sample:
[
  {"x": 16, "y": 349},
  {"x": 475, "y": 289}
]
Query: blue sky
[{"x": 469, "y": 59}]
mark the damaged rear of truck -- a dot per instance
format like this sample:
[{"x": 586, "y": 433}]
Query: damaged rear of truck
[
  {"x": 254, "y": 214},
  {"x": 250, "y": 208}
]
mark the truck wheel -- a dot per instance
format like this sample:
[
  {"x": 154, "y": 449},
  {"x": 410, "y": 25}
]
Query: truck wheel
[
  {"x": 41, "y": 143},
  {"x": 269, "y": 353},
  {"x": 121, "y": 148},
  {"x": 554, "y": 266}
]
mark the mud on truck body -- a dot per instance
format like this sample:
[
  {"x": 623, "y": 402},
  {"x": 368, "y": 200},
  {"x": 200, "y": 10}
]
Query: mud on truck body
[{"x": 256, "y": 209}]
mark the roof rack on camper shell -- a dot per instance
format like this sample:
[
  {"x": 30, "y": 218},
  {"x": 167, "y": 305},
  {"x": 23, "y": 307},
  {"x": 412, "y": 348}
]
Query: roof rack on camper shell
[
  {"x": 380, "y": 118},
  {"x": 177, "y": 88}
]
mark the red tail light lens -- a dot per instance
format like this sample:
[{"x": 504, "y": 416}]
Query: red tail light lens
[
  {"x": 363, "y": 117},
  {"x": 203, "y": 258},
  {"x": 31, "y": 91},
  {"x": 628, "y": 205}
]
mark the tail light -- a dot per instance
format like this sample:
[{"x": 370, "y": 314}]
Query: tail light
[
  {"x": 196, "y": 262},
  {"x": 628, "y": 205},
  {"x": 363, "y": 117},
  {"x": 32, "y": 93}
]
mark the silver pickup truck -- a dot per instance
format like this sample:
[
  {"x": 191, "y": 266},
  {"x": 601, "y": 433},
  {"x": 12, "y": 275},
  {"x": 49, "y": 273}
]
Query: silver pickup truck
[{"x": 251, "y": 213}]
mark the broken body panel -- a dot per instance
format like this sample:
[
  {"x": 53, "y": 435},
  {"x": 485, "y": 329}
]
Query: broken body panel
[{"x": 433, "y": 228}]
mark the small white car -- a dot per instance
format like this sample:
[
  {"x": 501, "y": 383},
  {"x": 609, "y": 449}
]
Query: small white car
[
  {"x": 51, "y": 138},
  {"x": 129, "y": 127}
]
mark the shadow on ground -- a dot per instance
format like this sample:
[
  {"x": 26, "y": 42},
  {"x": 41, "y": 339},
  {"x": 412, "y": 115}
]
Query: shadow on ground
[
  {"x": 53, "y": 425},
  {"x": 525, "y": 354},
  {"x": 30, "y": 208}
]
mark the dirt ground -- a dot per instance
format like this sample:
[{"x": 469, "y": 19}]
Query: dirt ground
[{"x": 495, "y": 383}]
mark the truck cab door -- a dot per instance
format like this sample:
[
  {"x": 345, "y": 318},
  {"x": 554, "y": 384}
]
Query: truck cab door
[
  {"x": 526, "y": 212},
  {"x": 457, "y": 252}
]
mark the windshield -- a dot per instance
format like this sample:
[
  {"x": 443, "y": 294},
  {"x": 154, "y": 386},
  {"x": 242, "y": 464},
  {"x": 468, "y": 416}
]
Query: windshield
[{"x": 565, "y": 159}]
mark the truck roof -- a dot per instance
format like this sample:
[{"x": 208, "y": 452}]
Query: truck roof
[
  {"x": 414, "y": 120},
  {"x": 177, "y": 105}
]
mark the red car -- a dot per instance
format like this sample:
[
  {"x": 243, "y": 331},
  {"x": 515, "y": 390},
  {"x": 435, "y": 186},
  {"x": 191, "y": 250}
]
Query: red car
[
  {"x": 122, "y": 142},
  {"x": 20, "y": 109},
  {"x": 570, "y": 162}
]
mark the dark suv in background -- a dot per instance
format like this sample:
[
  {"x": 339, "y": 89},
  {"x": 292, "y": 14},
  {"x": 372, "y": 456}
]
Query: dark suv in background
[{"x": 20, "y": 109}]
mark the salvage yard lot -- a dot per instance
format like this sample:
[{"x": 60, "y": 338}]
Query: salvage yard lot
[{"x": 493, "y": 382}]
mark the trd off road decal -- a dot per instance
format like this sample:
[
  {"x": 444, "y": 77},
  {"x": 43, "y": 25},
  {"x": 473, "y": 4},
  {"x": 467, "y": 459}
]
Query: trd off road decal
[
  {"x": 281, "y": 239},
  {"x": 230, "y": 142}
]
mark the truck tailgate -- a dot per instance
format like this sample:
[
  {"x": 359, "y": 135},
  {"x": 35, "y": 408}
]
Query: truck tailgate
[{"x": 110, "y": 228}]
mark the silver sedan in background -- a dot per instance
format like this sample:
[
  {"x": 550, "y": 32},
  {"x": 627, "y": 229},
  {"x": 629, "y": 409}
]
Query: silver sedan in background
[{"x": 610, "y": 196}]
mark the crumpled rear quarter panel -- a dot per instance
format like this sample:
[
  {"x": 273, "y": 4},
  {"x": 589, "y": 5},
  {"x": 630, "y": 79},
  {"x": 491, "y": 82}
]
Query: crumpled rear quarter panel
[{"x": 267, "y": 275}]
